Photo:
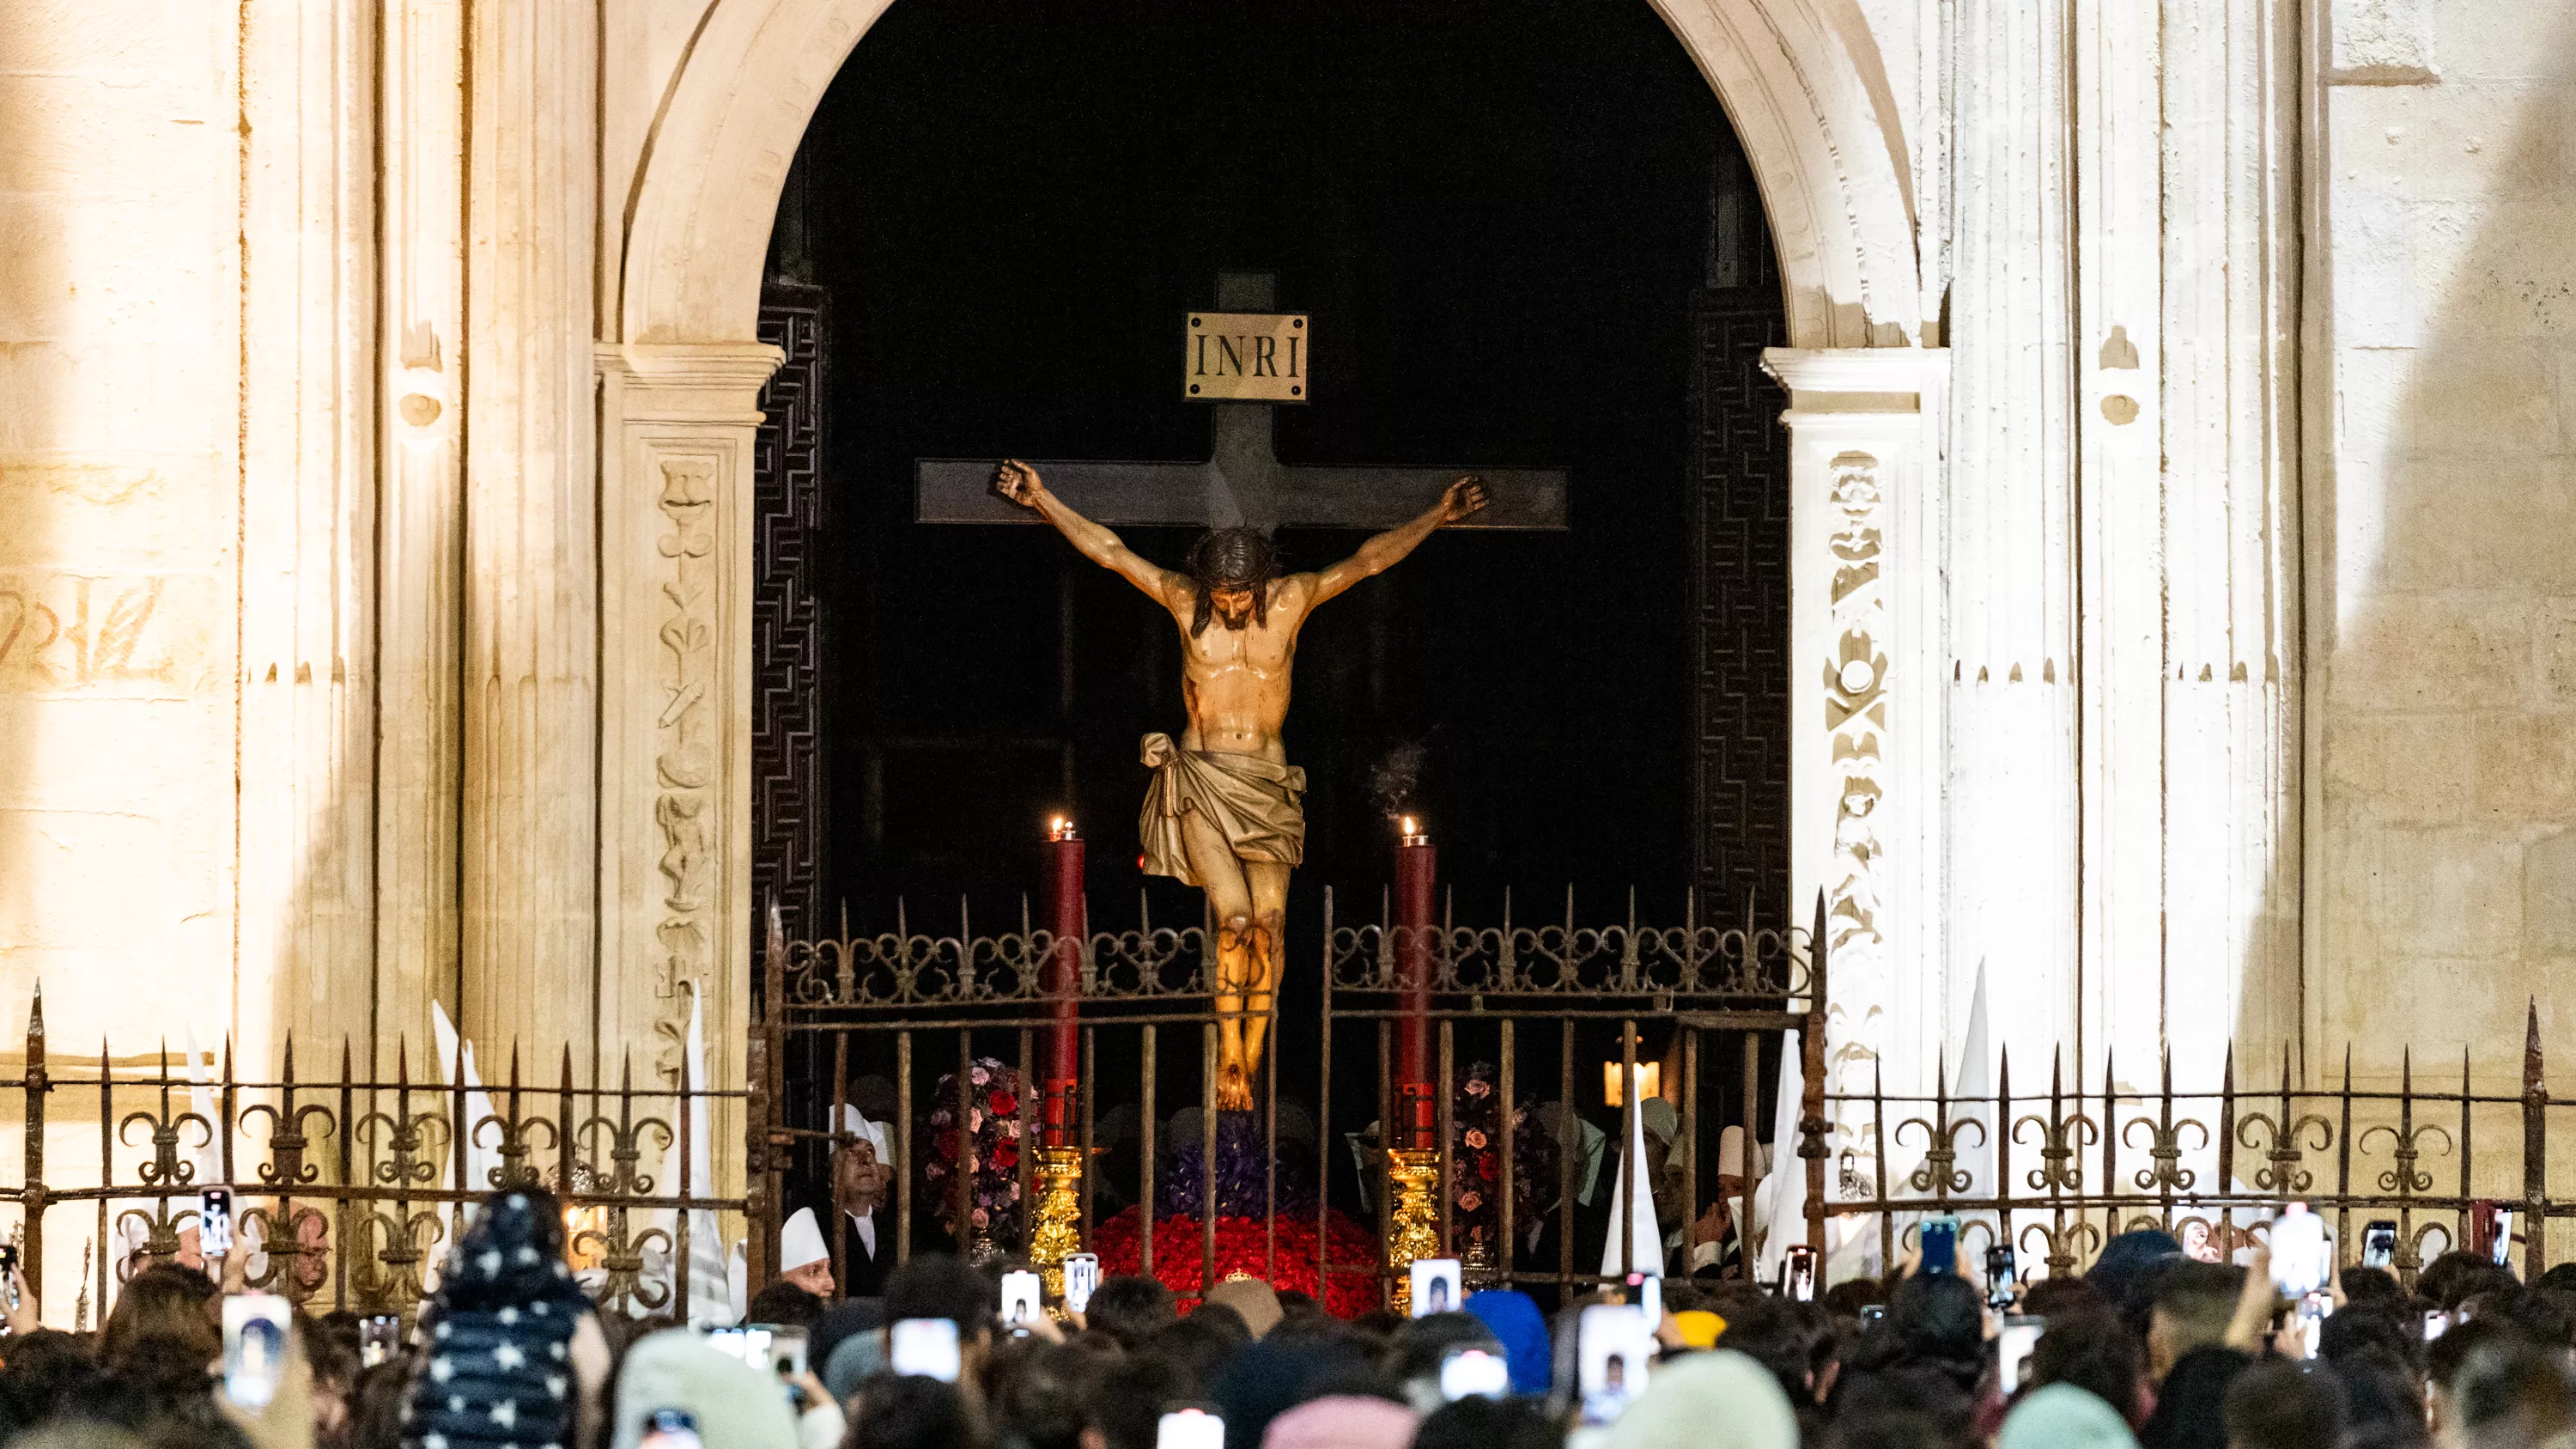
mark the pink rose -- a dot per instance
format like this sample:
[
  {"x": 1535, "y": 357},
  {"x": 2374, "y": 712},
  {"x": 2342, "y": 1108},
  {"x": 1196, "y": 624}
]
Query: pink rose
[
  {"x": 981, "y": 1076},
  {"x": 981, "y": 1219}
]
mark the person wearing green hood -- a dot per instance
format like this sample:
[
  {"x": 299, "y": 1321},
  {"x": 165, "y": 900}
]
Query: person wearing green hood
[
  {"x": 1712, "y": 1400},
  {"x": 2062, "y": 1416}
]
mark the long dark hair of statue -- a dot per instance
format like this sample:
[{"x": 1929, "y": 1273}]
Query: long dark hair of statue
[{"x": 1231, "y": 558}]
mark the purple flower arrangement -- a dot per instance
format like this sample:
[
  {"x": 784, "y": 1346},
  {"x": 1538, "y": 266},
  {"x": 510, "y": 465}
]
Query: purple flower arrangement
[
  {"x": 1242, "y": 1175},
  {"x": 990, "y": 1139}
]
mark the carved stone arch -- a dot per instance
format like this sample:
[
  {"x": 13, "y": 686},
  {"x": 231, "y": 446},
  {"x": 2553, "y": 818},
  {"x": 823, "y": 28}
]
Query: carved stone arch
[
  {"x": 1800, "y": 79},
  {"x": 681, "y": 370}
]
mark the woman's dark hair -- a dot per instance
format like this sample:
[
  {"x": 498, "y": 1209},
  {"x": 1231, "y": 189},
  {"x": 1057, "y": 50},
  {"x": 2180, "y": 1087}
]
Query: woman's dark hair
[
  {"x": 2383, "y": 1399},
  {"x": 2376, "y": 1323},
  {"x": 2457, "y": 1275},
  {"x": 1197, "y": 1349},
  {"x": 1424, "y": 1343},
  {"x": 910, "y": 1411},
  {"x": 935, "y": 1285},
  {"x": 376, "y": 1405},
  {"x": 1224, "y": 1318},
  {"x": 1939, "y": 1316},
  {"x": 1129, "y": 1306},
  {"x": 43, "y": 1369},
  {"x": 2051, "y": 1297},
  {"x": 1133, "y": 1396},
  {"x": 2094, "y": 1352},
  {"x": 2278, "y": 1405},
  {"x": 164, "y": 1302},
  {"x": 1914, "y": 1395},
  {"x": 1775, "y": 1334},
  {"x": 1231, "y": 558},
  {"x": 1041, "y": 1392},
  {"x": 2514, "y": 1391},
  {"x": 1480, "y": 1423}
]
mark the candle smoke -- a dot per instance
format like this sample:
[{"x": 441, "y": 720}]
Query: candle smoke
[{"x": 1396, "y": 776}]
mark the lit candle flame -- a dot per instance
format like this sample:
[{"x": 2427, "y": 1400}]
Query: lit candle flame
[
  {"x": 1060, "y": 828},
  {"x": 1409, "y": 826}
]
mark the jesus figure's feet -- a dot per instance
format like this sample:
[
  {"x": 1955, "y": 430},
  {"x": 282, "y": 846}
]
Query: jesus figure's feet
[{"x": 1233, "y": 1087}]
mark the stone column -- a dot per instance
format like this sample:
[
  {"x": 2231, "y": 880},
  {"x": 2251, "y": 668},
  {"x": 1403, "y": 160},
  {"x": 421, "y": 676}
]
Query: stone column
[
  {"x": 675, "y": 730},
  {"x": 308, "y": 498},
  {"x": 2116, "y": 351},
  {"x": 2228, "y": 430},
  {"x": 1865, "y": 650},
  {"x": 420, "y": 367},
  {"x": 528, "y": 938},
  {"x": 2014, "y": 834}
]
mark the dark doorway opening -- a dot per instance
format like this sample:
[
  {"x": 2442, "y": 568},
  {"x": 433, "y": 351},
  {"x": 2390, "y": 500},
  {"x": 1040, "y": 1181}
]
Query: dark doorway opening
[{"x": 1527, "y": 236}]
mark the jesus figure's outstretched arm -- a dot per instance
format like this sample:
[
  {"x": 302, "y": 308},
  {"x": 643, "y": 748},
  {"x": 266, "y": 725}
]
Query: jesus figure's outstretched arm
[
  {"x": 1019, "y": 482},
  {"x": 1386, "y": 550}
]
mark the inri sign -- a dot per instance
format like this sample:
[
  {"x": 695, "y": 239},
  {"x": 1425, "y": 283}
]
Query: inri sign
[{"x": 1245, "y": 356}]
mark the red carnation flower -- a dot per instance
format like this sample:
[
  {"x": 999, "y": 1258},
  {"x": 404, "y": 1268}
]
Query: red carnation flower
[
  {"x": 1002, "y": 1104},
  {"x": 1004, "y": 1157},
  {"x": 946, "y": 1143}
]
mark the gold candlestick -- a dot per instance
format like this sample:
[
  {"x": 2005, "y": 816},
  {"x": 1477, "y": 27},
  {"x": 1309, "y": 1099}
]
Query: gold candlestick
[
  {"x": 1414, "y": 1174},
  {"x": 1057, "y": 1231}
]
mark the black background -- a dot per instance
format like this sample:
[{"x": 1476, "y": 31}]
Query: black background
[{"x": 1497, "y": 213}]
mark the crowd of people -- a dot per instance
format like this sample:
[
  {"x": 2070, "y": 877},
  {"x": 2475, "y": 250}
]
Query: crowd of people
[{"x": 2148, "y": 1348}]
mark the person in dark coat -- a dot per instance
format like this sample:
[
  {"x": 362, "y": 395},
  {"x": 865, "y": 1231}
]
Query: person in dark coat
[
  {"x": 862, "y": 1186},
  {"x": 513, "y": 1353}
]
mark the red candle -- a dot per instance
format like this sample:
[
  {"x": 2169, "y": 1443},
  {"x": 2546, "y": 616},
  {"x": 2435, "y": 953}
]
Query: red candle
[
  {"x": 1417, "y": 869},
  {"x": 1062, "y": 977}
]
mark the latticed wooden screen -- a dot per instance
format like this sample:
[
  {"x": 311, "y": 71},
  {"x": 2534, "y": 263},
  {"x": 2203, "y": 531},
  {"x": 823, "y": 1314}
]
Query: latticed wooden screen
[
  {"x": 1740, "y": 550},
  {"x": 789, "y": 810}
]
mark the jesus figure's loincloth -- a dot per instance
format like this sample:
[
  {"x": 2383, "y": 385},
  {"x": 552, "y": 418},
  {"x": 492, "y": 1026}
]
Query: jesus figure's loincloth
[{"x": 1252, "y": 802}]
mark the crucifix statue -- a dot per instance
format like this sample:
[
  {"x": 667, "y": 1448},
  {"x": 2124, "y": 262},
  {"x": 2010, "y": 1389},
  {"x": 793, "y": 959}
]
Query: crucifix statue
[{"x": 1224, "y": 810}]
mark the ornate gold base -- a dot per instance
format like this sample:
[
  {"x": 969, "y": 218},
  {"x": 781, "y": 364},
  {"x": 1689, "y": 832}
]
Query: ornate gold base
[
  {"x": 1414, "y": 1175},
  {"x": 1056, "y": 1229}
]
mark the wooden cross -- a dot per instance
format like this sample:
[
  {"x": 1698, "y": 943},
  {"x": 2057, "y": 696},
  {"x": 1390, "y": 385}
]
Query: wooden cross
[{"x": 1244, "y": 483}]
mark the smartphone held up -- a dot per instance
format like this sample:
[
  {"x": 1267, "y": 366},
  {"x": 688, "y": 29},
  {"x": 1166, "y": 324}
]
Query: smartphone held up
[
  {"x": 924, "y": 1346},
  {"x": 255, "y": 1347},
  {"x": 1022, "y": 1301},
  {"x": 1189, "y": 1429},
  {"x": 1614, "y": 1352},
  {"x": 1081, "y": 1276},
  {"x": 1435, "y": 1287},
  {"x": 1939, "y": 1237},
  {"x": 1798, "y": 1274},
  {"x": 215, "y": 1222}
]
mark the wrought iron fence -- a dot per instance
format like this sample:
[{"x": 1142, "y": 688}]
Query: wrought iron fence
[
  {"x": 928, "y": 1010},
  {"x": 350, "y": 1186},
  {"x": 2056, "y": 1173},
  {"x": 1721, "y": 988}
]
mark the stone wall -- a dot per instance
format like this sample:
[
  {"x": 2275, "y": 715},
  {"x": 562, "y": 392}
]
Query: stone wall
[
  {"x": 2442, "y": 534},
  {"x": 335, "y": 671},
  {"x": 121, "y": 421}
]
